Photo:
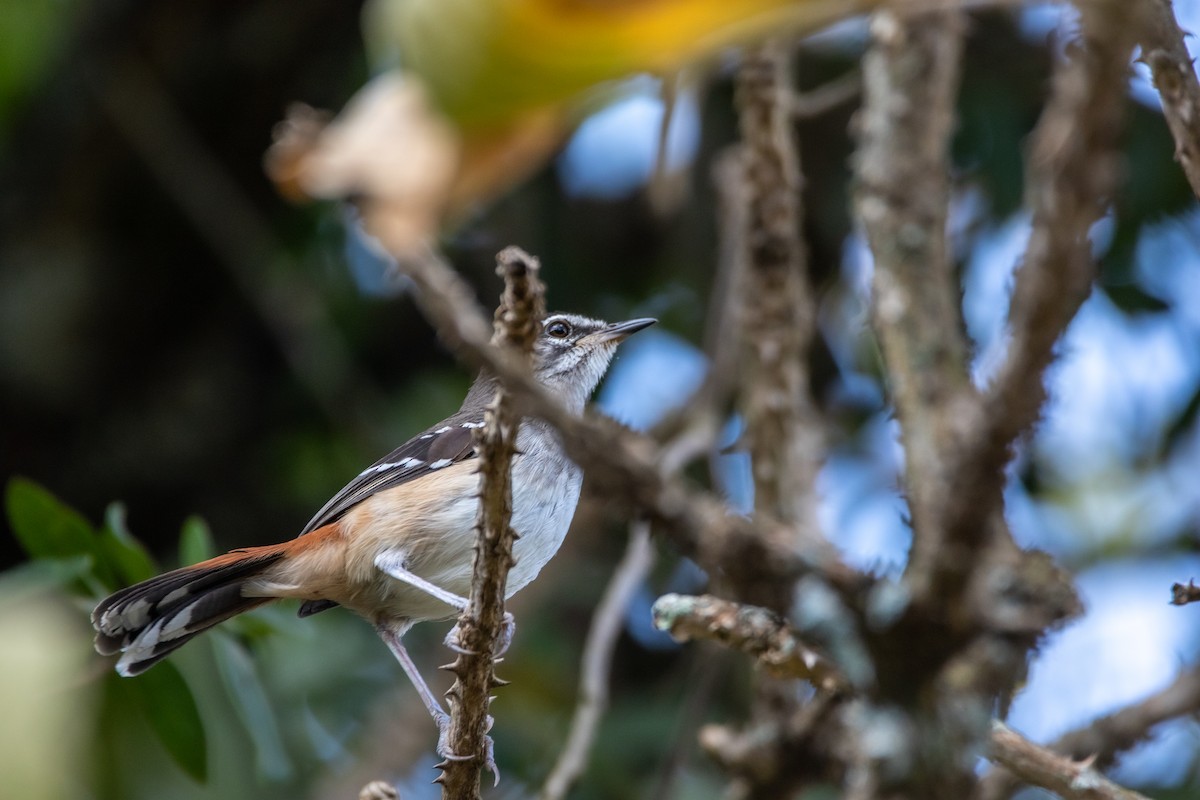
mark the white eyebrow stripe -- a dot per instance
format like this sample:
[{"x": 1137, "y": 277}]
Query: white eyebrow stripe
[{"x": 441, "y": 462}]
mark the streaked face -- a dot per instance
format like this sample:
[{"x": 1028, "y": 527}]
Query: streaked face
[{"x": 573, "y": 352}]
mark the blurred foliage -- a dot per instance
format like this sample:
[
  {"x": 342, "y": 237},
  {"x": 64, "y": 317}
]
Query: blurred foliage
[{"x": 173, "y": 335}]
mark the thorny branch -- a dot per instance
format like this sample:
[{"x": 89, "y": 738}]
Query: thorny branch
[
  {"x": 1104, "y": 739},
  {"x": 1072, "y": 169},
  {"x": 1071, "y": 780},
  {"x": 1174, "y": 76},
  {"x": 911, "y": 78},
  {"x": 517, "y": 323}
]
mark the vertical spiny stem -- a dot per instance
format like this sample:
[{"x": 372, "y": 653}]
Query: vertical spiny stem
[{"x": 517, "y": 322}]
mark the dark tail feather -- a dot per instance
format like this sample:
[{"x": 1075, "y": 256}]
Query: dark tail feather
[{"x": 149, "y": 620}]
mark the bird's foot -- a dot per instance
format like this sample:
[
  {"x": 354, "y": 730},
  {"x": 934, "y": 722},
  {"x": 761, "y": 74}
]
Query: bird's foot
[
  {"x": 489, "y": 747},
  {"x": 503, "y": 641}
]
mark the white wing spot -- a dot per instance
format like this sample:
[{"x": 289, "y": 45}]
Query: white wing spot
[
  {"x": 408, "y": 463},
  {"x": 442, "y": 429},
  {"x": 441, "y": 462},
  {"x": 427, "y": 436},
  {"x": 473, "y": 424}
]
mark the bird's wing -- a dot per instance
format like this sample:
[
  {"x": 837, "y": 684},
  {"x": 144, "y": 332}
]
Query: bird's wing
[{"x": 446, "y": 443}]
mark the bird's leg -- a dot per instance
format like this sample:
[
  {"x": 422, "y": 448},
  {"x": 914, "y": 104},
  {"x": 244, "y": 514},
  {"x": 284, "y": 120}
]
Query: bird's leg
[
  {"x": 391, "y": 635},
  {"x": 391, "y": 563}
]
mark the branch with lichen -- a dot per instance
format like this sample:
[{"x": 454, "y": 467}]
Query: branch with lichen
[
  {"x": 1174, "y": 75},
  {"x": 756, "y": 631},
  {"x": 481, "y": 624}
]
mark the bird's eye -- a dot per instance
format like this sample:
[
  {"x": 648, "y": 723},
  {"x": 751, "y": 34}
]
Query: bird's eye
[{"x": 558, "y": 329}]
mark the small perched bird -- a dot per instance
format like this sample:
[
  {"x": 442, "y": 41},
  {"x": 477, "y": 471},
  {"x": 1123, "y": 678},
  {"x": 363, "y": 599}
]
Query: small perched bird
[{"x": 395, "y": 545}]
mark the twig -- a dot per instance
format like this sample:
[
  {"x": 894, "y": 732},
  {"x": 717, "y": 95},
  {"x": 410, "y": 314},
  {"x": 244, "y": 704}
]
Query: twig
[
  {"x": 756, "y": 631},
  {"x": 597, "y": 660},
  {"x": 1174, "y": 76},
  {"x": 1071, "y": 780},
  {"x": 1106, "y": 738},
  {"x": 1182, "y": 595},
  {"x": 910, "y": 76},
  {"x": 1072, "y": 169},
  {"x": 518, "y": 320}
]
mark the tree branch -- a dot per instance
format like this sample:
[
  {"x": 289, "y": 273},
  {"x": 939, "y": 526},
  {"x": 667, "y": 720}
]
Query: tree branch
[
  {"x": 1071, "y": 780},
  {"x": 597, "y": 661},
  {"x": 1181, "y": 595},
  {"x": 756, "y": 631},
  {"x": 518, "y": 320},
  {"x": 910, "y": 76},
  {"x": 1107, "y": 737},
  {"x": 1072, "y": 168},
  {"x": 1174, "y": 76},
  {"x": 776, "y": 316}
]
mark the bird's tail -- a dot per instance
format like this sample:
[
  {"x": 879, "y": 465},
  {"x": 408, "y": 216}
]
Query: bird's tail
[{"x": 147, "y": 621}]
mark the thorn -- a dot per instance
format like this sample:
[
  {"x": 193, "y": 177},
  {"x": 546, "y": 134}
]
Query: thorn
[{"x": 498, "y": 683}]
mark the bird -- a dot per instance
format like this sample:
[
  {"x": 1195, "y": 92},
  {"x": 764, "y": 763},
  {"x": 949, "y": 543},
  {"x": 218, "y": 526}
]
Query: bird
[{"x": 395, "y": 545}]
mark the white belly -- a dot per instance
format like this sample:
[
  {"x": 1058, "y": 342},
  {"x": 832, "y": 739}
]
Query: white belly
[
  {"x": 544, "y": 501},
  {"x": 437, "y": 538}
]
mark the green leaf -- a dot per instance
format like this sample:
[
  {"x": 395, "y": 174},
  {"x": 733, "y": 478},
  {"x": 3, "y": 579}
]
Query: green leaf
[
  {"x": 250, "y": 700},
  {"x": 122, "y": 553},
  {"x": 195, "y": 542},
  {"x": 164, "y": 697},
  {"x": 44, "y": 525}
]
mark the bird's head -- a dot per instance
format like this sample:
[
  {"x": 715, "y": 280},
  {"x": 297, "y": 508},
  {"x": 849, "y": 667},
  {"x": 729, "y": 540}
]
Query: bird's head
[{"x": 572, "y": 354}]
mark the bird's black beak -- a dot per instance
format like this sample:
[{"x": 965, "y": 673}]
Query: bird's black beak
[{"x": 620, "y": 331}]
